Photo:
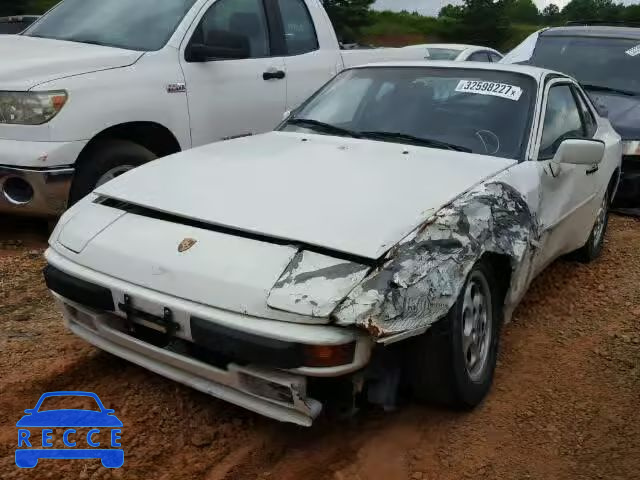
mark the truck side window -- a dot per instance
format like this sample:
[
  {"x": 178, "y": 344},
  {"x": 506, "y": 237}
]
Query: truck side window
[
  {"x": 561, "y": 121},
  {"x": 245, "y": 17},
  {"x": 299, "y": 31}
]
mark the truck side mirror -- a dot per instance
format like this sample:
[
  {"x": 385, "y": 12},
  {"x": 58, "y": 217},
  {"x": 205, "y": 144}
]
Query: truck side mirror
[{"x": 220, "y": 45}]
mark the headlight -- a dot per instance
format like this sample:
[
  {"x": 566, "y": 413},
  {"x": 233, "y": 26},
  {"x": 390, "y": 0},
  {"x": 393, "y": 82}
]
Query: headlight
[{"x": 30, "y": 108}]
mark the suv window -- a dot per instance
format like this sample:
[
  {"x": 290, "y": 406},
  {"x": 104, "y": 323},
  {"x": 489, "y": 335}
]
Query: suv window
[
  {"x": 495, "y": 57},
  {"x": 562, "y": 120},
  {"x": 299, "y": 31},
  {"x": 244, "y": 17},
  {"x": 479, "y": 57}
]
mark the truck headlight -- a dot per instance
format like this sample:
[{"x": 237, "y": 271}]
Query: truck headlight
[{"x": 30, "y": 108}]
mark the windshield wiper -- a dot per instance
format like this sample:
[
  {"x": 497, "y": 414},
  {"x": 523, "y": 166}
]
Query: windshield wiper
[
  {"x": 426, "y": 142},
  {"x": 602, "y": 88},
  {"x": 326, "y": 127}
]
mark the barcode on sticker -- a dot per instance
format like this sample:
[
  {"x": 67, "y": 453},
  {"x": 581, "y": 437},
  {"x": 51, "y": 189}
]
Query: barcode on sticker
[
  {"x": 633, "y": 51},
  {"x": 504, "y": 90}
]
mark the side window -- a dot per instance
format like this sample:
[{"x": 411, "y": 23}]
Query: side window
[
  {"x": 479, "y": 57},
  {"x": 587, "y": 117},
  {"x": 562, "y": 120},
  {"x": 244, "y": 17},
  {"x": 299, "y": 31},
  {"x": 495, "y": 57}
]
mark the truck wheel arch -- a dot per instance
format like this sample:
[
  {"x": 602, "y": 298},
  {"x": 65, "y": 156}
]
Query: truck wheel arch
[
  {"x": 151, "y": 135},
  {"x": 133, "y": 144}
]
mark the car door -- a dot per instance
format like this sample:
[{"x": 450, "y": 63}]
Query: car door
[
  {"x": 309, "y": 62},
  {"x": 568, "y": 193},
  {"x": 234, "y": 97}
]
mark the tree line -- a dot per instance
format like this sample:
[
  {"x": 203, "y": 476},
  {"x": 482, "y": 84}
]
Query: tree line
[{"x": 494, "y": 23}]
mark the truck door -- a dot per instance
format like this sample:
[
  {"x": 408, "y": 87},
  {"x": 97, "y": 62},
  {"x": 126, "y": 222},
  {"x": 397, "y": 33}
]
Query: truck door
[
  {"x": 312, "y": 54},
  {"x": 233, "y": 97}
]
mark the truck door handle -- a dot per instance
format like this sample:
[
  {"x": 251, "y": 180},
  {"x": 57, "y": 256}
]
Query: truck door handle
[
  {"x": 592, "y": 170},
  {"x": 273, "y": 75}
]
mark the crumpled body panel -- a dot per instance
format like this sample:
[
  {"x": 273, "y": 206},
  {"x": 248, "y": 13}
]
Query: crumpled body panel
[{"x": 426, "y": 271}]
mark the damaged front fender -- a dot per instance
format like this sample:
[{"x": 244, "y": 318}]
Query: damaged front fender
[{"x": 425, "y": 273}]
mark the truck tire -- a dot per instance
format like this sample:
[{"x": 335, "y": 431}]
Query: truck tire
[
  {"x": 453, "y": 363},
  {"x": 104, "y": 161},
  {"x": 593, "y": 248}
]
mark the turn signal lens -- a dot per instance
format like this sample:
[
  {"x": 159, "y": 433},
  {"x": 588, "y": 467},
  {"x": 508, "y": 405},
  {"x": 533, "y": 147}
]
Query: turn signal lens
[{"x": 328, "y": 355}]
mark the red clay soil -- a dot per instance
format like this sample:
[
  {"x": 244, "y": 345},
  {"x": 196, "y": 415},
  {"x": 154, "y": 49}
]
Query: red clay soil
[{"x": 564, "y": 406}]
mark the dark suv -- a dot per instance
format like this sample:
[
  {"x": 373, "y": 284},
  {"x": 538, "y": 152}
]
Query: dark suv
[
  {"x": 606, "y": 61},
  {"x": 12, "y": 25}
]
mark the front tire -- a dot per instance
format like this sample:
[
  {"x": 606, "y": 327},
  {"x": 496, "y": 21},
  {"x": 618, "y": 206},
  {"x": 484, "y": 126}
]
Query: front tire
[
  {"x": 593, "y": 248},
  {"x": 105, "y": 161},
  {"x": 453, "y": 363}
]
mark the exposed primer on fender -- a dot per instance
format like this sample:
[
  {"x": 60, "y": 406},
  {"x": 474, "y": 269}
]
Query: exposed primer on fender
[
  {"x": 425, "y": 273},
  {"x": 313, "y": 284}
]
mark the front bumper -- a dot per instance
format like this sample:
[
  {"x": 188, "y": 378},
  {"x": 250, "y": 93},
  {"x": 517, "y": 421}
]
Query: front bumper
[
  {"x": 627, "y": 199},
  {"x": 34, "y": 192},
  {"x": 35, "y": 177},
  {"x": 273, "y": 391}
]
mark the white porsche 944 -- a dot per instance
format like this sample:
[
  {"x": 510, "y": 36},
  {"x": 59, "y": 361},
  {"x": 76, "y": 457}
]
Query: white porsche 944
[{"x": 373, "y": 244}]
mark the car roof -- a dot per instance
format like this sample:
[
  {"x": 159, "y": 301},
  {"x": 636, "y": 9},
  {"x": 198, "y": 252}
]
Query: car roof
[
  {"x": 450, "y": 46},
  {"x": 610, "y": 31},
  {"x": 536, "y": 72}
]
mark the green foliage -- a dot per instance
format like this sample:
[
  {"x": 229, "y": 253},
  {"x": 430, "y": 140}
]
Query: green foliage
[
  {"x": 592, "y": 10},
  {"x": 524, "y": 11},
  {"x": 349, "y": 16},
  {"x": 22, "y": 7}
]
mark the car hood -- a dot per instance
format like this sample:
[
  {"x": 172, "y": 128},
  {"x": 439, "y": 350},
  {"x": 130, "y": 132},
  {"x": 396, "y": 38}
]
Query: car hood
[
  {"x": 30, "y": 61},
  {"x": 354, "y": 196},
  {"x": 69, "y": 418},
  {"x": 623, "y": 113}
]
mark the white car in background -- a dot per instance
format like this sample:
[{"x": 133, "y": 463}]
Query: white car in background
[
  {"x": 378, "y": 238},
  {"x": 458, "y": 52}
]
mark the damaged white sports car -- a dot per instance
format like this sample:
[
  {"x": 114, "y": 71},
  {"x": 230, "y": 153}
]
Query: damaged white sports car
[{"x": 374, "y": 244}]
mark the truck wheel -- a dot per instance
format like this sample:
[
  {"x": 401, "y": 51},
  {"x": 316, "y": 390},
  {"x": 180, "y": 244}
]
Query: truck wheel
[
  {"x": 105, "y": 161},
  {"x": 593, "y": 248},
  {"x": 453, "y": 363}
]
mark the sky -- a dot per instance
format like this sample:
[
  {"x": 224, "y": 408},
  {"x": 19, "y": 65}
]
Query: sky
[{"x": 432, "y": 7}]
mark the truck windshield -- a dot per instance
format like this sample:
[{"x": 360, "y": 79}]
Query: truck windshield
[
  {"x": 143, "y": 25},
  {"x": 597, "y": 63},
  {"x": 469, "y": 110}
]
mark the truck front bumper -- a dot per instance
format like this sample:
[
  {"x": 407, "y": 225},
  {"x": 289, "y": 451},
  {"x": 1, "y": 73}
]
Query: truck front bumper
[
  {"x": 34, "y": 192},
  {"x": 35, "y": 177}
]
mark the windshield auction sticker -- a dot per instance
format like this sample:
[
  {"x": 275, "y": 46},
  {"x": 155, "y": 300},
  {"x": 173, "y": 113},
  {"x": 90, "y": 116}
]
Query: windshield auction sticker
[
  {"x": 504, "y": 90},
  {"x": 633, "y": 51}
]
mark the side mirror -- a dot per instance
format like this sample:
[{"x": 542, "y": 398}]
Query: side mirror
[
  {"x": 29, "y": 411},
  {"x": 575, "y": 151},
  {"x": 220, "y": 45}
]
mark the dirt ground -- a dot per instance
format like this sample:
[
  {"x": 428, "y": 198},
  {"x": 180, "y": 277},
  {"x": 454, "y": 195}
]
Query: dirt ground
[{"x": 565, "y": 403}]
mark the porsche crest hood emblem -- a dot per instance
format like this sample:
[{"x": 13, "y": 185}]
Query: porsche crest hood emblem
[{"x": 186, "y": 244}]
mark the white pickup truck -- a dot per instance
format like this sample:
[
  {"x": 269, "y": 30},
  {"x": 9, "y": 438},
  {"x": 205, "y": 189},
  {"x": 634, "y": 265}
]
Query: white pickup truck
[{"x": 95, "y": 88}]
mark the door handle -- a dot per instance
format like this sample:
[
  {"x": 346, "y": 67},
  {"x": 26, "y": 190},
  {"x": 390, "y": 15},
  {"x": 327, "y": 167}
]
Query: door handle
[
  {"x": 273, "y": 75},
  {"x": 592, "y": 170}
]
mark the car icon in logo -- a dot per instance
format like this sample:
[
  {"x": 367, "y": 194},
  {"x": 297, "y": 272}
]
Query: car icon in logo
[{"x": 69, "y": 420}]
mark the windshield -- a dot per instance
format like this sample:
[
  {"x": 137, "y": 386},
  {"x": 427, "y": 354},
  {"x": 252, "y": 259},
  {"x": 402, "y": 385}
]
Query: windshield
[
  {"x": 442, "y": 54},
  {"x": 479, "y": 111},
  {"x": 143, "y": 25},
  {"x": 593, "y": 61}
]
